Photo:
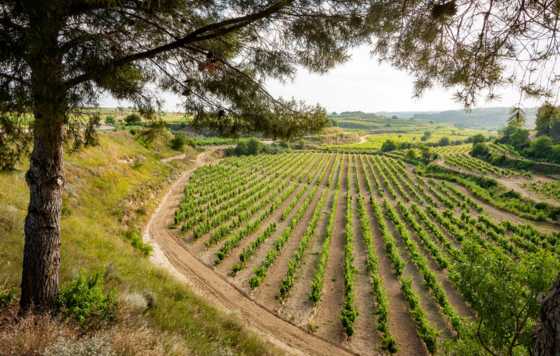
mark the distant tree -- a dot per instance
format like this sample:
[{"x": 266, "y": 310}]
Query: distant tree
[
  {"x": 388, "y": 145},
  {"x": 426, "y": 136},
  {"x": 428, "y": 155},
  {"x": 411, "y": 154},
  {"x": 541, "y": 148},
  {"x": 555, "y": 129},
  {"x": 480, "y": 150},
  {"x": 477, "y": 138},
  {"x": 133, "y": 119},
  {"x": 518, "y": 138},
  {"x": 516, "y": 117},
  {"x": 546, "y": 114},
  {"x": 444, "y": 141}
]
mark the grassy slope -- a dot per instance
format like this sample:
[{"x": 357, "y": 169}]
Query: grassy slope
[
  {"x": 375, "y": 141},
  {"x": 104, "y": 191}
]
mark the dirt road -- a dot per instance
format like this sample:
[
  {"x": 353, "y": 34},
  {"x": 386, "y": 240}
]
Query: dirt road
[{"x": 173, "y": 255}]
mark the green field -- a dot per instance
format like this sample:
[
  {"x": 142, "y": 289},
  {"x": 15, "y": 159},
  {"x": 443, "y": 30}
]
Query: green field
[
  {"x": 375, "y": 141},
  {"x": 382, "y": 124}
]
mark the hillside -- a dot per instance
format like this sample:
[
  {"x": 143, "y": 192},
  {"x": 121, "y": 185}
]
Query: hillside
[
  {"x": 110, "y": 192},
  {"x": 482, "y": 118}
]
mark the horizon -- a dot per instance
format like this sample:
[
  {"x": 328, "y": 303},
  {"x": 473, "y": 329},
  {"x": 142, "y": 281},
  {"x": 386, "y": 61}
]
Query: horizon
[{"x": 349, "y": 111}]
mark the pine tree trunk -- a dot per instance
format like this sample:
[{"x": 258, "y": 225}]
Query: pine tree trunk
[
  {"x": 547, "y": 336},
  {"x": 41, "y": 256}
]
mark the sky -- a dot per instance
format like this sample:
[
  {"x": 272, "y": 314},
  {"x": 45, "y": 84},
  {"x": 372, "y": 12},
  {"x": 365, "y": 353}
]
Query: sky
[{"x": 362, "y": 84}]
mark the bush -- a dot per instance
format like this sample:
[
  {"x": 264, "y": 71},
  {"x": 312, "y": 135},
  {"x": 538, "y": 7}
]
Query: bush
[
  {"x": 388, "y": 146},
  {"x": 178, "y": 142},
  {"x": 428, "y": 155},
  {"x": 444, "y": 141},
  {"x": 480, "y": 150},
  {"x": 476, "y": 138},
  {"x": 7, "y": 296},
  {"x": 86, "y": 301},
  {"x": 133, "y": 119},
  {"x": 516, "y": 137},
  {"x": 109, "y": 120},
  {"x": 136, "y": 241},
  {"x": 411, "y": 154},
  {"x": 507, "y": 307},
  {"x": 426, "y": 136},
  {"x": 541, "y": 148}
]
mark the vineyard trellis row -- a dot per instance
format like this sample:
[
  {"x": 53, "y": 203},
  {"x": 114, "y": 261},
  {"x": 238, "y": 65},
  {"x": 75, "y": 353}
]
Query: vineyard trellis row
[{"x": 249, "y": 209}]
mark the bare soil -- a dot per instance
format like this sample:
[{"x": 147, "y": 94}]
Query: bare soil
[{"x": 401, "y": 325}]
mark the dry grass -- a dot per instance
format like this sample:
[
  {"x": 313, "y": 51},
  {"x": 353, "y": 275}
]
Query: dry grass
[
  {"x": 45, "y": 335},
  {"x": 30, "y": 335}
]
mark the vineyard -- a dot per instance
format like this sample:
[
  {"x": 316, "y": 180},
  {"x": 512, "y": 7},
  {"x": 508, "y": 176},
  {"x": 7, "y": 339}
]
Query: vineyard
[
  {"x": 547, "y": 189},
  {"x": 357, "y": 249},
  {"x": 468, "y": 163},
  {"x": 453, "y": 150}
]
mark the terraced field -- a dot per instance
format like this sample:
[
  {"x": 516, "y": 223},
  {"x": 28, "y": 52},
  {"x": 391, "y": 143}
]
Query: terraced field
[
  {"x": 468, "y": 163},
  {"x": 356, "y": 249}
]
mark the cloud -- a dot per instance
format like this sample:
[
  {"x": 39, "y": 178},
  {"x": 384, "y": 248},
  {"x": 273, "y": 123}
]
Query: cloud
[{"x": 363, "y": 84}]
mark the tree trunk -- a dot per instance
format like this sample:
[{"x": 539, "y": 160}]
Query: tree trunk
[
  {"x": 547, "y": 336},
  {"x": 41, "y": 256}
]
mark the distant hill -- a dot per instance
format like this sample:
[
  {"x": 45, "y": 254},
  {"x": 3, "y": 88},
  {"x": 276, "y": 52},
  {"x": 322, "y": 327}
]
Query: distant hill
[{"x": 484, "y": 118}]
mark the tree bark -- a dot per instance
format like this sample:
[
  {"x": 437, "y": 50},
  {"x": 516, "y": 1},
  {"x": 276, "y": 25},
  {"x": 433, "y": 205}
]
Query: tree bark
[
  {"x": 45, "y": 178},
  {"x": 41, "y": 258},
  {"x": 547, "y": 335}
]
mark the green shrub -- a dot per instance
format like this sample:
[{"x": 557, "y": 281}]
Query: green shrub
[
  {"x": 133, "y": 119},
  {"x": 178, "y": 142},
  {"x": 86, "y": 301},
  {"x": 480, "y": 150},
  {"x": 109, "y": 120},
  {"x": 388, "y": 146},
  {"x": 7, "y": 296},
  {"x": 444, "y": 141},
  {"x": 136, "y": 241},
  {"x": 505, "y": 295}
]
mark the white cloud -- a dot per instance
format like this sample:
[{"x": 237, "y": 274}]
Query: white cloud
[{"x": 363, "y": 84}]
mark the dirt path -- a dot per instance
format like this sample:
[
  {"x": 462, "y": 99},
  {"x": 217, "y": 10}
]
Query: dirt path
[
  {"x": 170, "y": 254},
  {"x": 174, "y": 158}
]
